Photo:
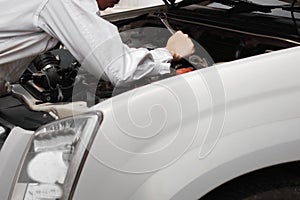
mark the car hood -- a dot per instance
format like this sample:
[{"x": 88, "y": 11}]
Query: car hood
[
  {"x": 241, "y": 6},
  {"x": 261, "y": 2}
]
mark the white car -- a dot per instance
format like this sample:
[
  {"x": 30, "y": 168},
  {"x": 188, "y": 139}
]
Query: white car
[{"x": 228, "y": 130}]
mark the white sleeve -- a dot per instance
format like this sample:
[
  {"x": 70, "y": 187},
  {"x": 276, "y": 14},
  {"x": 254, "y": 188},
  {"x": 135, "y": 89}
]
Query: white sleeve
[{"x": 96, "y": 43}]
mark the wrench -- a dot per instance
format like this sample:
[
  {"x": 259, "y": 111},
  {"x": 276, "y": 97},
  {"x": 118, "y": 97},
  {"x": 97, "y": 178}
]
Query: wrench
[
  {"x": 164, "y": 20},
  {"x": 195, "y": 60}
]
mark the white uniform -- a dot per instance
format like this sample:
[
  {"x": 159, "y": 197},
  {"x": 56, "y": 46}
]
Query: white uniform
[{"x": 28, "y": 28}]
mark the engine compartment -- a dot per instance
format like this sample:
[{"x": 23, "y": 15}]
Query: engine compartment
[
  {"x": 55, "y": 79},
  {"x": 223, "y": 44}
]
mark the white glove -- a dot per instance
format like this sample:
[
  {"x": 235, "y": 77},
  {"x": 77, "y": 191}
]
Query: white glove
[{"x": 180, "y": 45}]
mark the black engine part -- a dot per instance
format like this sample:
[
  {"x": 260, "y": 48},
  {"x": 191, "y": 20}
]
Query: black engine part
[{"x": 49, "y": 80}]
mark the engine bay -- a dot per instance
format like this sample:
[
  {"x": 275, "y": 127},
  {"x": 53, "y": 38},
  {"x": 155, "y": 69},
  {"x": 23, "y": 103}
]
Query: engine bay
[
  {"x": 53, "y": 75},
  {"x": 55, "y": 81}
]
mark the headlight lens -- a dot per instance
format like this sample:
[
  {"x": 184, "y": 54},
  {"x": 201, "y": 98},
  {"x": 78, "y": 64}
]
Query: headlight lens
[{"x": 54, "y": 158}]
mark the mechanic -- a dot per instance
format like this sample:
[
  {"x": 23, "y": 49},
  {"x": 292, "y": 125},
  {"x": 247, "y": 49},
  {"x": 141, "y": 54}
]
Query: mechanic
[{"x": 28, "y": 28}]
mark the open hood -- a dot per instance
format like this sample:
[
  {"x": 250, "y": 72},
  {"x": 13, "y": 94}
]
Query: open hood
[{"x": 241, "y": 6}]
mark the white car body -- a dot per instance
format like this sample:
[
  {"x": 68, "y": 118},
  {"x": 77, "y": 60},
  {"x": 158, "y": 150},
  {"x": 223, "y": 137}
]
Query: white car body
[
  {"x": 253, "y": 105},
  {"x": 182, "y": 137},
  {"x": 258, "y": 122}
]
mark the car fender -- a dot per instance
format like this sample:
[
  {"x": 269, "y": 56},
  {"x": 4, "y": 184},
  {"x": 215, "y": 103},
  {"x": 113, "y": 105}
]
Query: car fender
[{"x": 234, "y": 118}]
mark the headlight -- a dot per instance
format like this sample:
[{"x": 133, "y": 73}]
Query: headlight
[{"x": 54, "y": 158}]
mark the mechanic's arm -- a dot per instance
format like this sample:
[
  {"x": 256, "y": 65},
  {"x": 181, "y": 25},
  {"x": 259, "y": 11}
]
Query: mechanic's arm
[{"x": 97, "y": 45}]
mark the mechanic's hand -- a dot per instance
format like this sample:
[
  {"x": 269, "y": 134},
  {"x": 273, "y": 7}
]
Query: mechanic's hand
[
  {"x": 183, "y": 70},
  {"x": 180, "y": 45}
]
